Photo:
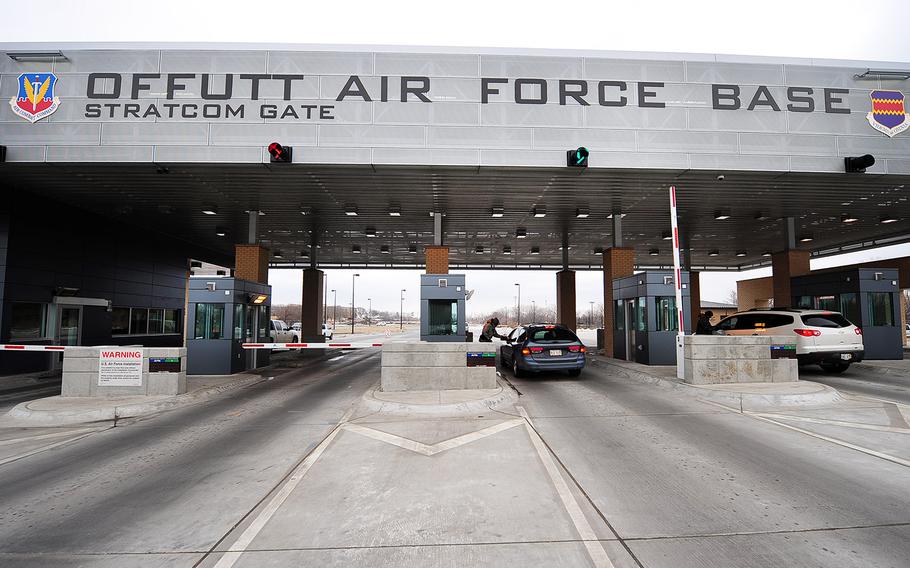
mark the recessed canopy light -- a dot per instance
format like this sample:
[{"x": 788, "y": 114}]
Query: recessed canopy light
[
  {"x": 848, "y": 219},
  {"x": 384, "y": 249},
  {"x": 220, "y": 231},
  {"x": 535, "y": 250},
  {"x": 741, "y": 253},
  {"x": 653, "y": 252},
  {"x": 507, "y": 250},
  {"x": 210, "y": 209},
  {"x": 478, "y": 250},
  {"x": 355, "y": 249},
  {"x": 521, "y": 233},
  {"x": 582, "y": 213},
  {"x": 394, "y": 211},
  {"x": 412, "y": 249},
  {"x": 599, "y": 251},
  {"x": 497, "y": 212},
  {"x": 666, "y": 236},
  {"x": 305, "y": 210},
  {"x": 766, "y": 253},
  {"x": 350, "y": 210},
  {"x": 805, "y": 238},
  {"x": 370, "y": 232},
  {"x": 621, "y": 215},
  {"x": 540, "y": 211},
  {"x": 721, "y": 215},
  {"x": 885, "y": 219},
  {"x": 304, "y": 254},
  {"x": 277, "y": 254},
  {"x": 714, "y": 252}
]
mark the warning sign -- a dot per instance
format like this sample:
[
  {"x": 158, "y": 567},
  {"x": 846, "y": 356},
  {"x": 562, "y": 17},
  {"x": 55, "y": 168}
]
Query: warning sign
[{"x": 120, "y": 368}]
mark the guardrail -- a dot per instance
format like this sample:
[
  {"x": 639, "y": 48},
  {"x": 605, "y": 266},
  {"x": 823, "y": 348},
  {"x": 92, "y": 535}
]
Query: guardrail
[{"x": 309, "y": 345}]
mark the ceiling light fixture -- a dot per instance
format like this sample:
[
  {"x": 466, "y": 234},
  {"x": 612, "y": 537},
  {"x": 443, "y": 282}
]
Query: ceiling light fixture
[
  {"x": 209, "y": 209},
  {"x": 521, "y": 233},
  {"x": 721, "y": 215},
  {"x": 885, "y": 219},
  {"x": 653, "y": 252},
  {"x": 582, "y": 213},
  {"x": 848, "y": 218},
  {"x": 539, "y": 211},
  {"x": 741, "y": 253},
  {"x": 714, "y": 252},
  {"x": 507, "y": 250},
  {"x": 355, "y": 249},
  {"x": 497, "y": 212},
  {"x": 535, "y": 250},
  {"x": 384, "y": 249},
  {"x": 350, "y": 210}
]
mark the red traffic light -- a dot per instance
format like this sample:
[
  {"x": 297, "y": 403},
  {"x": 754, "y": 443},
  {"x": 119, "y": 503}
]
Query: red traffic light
[{"x": 279, "y": 153}]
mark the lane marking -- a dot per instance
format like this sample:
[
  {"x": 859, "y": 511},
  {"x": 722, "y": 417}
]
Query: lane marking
[
  {"x": 427, "y": 449},
  {"x": 588, "y": 536},
  {"x": 48, "y": 447},
  {"x": 11, "y": 441},
  {"x": 869, "y": 451},
  {"x": 857, "y": 425},
  {"x": 252, "y": 531}
]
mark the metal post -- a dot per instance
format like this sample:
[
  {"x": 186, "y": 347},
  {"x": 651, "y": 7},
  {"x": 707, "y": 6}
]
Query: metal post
[
  {"x": 370, "y": 312},
  {"x": 353, "y": 280},
  {"x": 518, "y": 311},
  {"x": 401, "y": 311},
  {"x": 334, "y": 308},
  {"x": 253, "y": 227},
  {"x": 591, "y": 315},
  {"x": 325, "y": 301},
  {"x": 677, "y": 277}
]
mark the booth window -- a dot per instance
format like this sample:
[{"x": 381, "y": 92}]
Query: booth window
[
  {"x": 641, "y": 314},
  {"x": 209, "y": 321},
  {"x": 619, "y": 316},
  {"x": 666, "y": 313},
  {"x": 120, "y": 321},
  {"x": 27, "y": 321},
  {"x": 263, "y": 323},
  {"x": 172, "y": 321},
  {"x": 239, "y": 321},
  {"x": 880, "y": 309},
  {"x": 443, "y": 317},
  {"x": 804, "y": 302},
  {"x": 849, "y": 307},
  {"x": 156, "y": 321},
  {"x": 139, "y": 321},
  {"x": 829, "y": 303}
]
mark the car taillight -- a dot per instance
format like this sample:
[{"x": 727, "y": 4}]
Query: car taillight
[
  {"x": 808, "y": 332},
  {"x": 577, "y": 348},
  {"x": 857, "y": 331},
  {"x": 525, "y": 351},
  {"x": 537, "y": 350}
]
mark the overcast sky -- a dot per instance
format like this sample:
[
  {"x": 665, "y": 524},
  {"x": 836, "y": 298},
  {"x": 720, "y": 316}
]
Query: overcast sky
[{"x": 808, "y": 28}]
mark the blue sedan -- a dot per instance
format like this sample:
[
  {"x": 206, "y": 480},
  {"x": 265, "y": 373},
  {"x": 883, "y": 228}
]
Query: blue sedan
[{"x": 543, "y": 347}]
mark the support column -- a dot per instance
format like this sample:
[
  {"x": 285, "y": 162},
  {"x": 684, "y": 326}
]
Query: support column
[
  {"x": 784, "y": 266},
  {"x": 565, "y": 299},
  {"x": 618, "y": 263},
  {"x": 251, "y": 262},
  {"x": 311, "y": 306},
  {"x": 437, "y": 260}
]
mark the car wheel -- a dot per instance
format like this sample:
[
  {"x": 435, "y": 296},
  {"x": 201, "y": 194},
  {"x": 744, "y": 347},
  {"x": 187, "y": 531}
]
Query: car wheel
[
  {"x": 574, "y": 372},
  {"x": 516, "y": 372},
  {"x": 835, "y": 368}
]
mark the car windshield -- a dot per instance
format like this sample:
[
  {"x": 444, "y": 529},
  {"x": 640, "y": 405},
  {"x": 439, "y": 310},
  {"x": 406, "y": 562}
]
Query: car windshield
[
  {"x": 552, "y": 335},
  {"x": 826, "y": 320}
]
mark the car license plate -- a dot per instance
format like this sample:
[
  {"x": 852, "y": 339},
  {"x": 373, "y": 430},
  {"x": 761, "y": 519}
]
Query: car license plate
[
  {"x": 555, "y": 352},
  {"x": 846, "y": 356}
]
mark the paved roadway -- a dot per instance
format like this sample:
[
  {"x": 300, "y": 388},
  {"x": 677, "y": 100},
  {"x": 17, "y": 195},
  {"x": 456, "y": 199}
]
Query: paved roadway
[
  {"x": 887, "y": 380},
  {"x": 639, "y": 477}
]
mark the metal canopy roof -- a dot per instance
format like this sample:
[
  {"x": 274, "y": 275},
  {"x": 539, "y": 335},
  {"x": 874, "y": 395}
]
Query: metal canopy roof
[{"x": 170, "y": 198}]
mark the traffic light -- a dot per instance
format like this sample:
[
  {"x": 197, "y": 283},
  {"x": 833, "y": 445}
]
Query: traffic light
[
  {"x": 577, "y": 158},
  {"x": 279, "y": 154},
  {"x": 858, "y": 164}
]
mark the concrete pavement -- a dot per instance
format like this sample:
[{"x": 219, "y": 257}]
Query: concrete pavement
[{"x": 596, "y": 471}]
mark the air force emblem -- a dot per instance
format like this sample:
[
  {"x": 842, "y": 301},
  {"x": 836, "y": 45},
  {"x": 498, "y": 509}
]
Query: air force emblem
[
  {"x": 888, "y": 115},
  {"x": 35, "y": 99}
]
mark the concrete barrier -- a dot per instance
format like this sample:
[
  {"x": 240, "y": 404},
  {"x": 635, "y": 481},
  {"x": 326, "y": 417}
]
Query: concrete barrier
[
  {"x": 425, "y": 366},
  {"x": 713, "y": 359},
  {"x": 94, "y": 371}
]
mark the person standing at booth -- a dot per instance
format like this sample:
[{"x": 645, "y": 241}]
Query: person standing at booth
[
  {"x": 489, "y": 331},
  {"x": 703, "y": 326}
]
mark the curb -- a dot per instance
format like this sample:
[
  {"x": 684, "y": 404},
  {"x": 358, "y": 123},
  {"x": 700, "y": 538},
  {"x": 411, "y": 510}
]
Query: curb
[
  {"x": 63, "y": 417},
  {"x": 504, "y": 396},
  {"x": 823, "y": 395}
]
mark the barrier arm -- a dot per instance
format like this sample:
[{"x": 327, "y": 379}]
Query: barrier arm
[{"x": 677, "y": 278}]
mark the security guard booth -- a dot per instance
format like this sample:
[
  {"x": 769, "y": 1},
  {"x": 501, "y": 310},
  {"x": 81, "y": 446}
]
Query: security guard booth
[
  {"x": 442, "y": 305},
  {"x": 645, "y": 319},
  {"x": 868, "y": 297},
  {"x": 222, "y": 314}
]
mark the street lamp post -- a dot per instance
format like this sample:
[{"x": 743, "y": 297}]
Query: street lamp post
[
  {"x": 325, "y": 302},
  {"x": 591, "y": 316},
  {"x": 334, "y": 308},
  {"x": 353, "y": 280},
  {"x": 518, "y": 314},
  {"x": 370, "y": 312},
  {"x": 401, "y": 311},
  {"x": 533, "y": 311}
]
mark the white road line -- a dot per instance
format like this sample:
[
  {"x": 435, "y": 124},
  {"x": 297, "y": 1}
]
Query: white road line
[
  {"x": 252, "y": 531},
  {"x": 47, "y": 447},
  {"x": 11, "y": 441},
  {"x": 431, "y": 450},
  {"x": 589, "y": 537},
  {"x": 857, "y": 425}
]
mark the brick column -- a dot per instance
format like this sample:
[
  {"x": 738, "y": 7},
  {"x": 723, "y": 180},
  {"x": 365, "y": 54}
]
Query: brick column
[
  {"x": 251, "y": 262},
  {"x": 437, "y": 259},
  {"x": 618, "y": 262},
  {"x": 694, "y": 298},
  {"x": 565, "y": 299},
  {"x": 784, "y": 266},
  {"x": 311, "y": 306}
]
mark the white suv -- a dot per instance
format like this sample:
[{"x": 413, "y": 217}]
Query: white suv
[{"x": 822, "y": 337}]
